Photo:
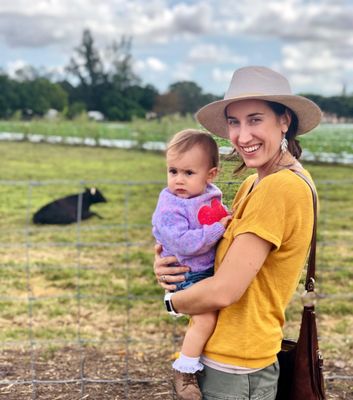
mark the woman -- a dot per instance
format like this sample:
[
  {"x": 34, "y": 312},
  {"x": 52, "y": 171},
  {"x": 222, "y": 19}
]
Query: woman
[{"x": 260, "y": 258}]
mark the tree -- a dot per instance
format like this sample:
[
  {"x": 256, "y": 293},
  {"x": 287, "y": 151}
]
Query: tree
[
  {"x": 119, "y": 69},
  {"x": 342, "y": 106},
  {"x": 117, "y": 106},
  {"x": 111, "y": 86},
  {"x": 145, "y": 96},
  {"x": 189, "y": 94},
  {"x": 75, "y": 109},
  {"x": 9, "y": 96},
  {"x": 87, "y": 67},
  {"x": 29, "y": 73},
  {"x": 168, "y": 103},
  {"x": 39, "y": 95},
  {"x": 32, "y": 96}
]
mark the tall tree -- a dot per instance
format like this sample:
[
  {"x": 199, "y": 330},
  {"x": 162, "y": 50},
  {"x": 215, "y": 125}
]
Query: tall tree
[
  {"x": 189, "y": 94},
  {"x": 119, "y": 68},
  {"x": 86, "y": 65},
  {"x": 110, "y": 86},
  {"x": 9, "y": 96}
]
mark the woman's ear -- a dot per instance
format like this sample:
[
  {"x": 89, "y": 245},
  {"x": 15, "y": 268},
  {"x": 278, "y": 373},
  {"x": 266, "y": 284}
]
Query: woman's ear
[
  {"x": 285, "y": 121},
  {"x": 212, "y": 173}
]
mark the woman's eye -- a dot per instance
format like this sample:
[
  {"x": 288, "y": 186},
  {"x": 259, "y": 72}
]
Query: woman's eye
[
  {"x": 232, "y": 122},
  {"x": 255, "y": 120}
]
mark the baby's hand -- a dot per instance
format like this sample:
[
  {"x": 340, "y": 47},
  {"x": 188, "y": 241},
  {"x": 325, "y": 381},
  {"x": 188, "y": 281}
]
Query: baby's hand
[{"x": 225, "y": 220}]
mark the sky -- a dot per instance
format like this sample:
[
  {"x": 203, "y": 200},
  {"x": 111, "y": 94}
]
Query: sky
[{"x": 310, "y": 42}]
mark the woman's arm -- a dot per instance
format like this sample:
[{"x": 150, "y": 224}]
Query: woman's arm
[{"x": 239, "y": 267}]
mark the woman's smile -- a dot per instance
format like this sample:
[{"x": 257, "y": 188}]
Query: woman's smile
[{"x": 250, "y": 149}]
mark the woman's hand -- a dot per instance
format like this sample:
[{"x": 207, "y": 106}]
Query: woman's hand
[{"x": 167, "y": 275}]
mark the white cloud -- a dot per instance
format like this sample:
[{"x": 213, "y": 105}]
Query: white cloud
[
  {"x": 316, "y": 68},
  {"x": 222, "y": 76},
  {"x": 55, "y": 72},
  {"x": 308, "y": 58},
  {"x": 148, "y": 23},
  {"x": 155, "y": 65},
  {"x": 183, "y": 72},
  {"x": 288, "y": 20},
  {"x": 316, "y": 37},
  {"x": 151, "y": 63},
  {"x": 13, "y": 66},
  {"x": 46, "y": 22},
  {"x": 211, "y": 53}
]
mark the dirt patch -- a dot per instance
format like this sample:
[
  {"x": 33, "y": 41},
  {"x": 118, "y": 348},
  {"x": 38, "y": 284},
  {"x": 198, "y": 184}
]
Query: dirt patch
[{"x": 72, "y": 373}]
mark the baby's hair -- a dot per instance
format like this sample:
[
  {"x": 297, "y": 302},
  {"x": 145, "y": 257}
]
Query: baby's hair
[{"x": 188, "y": 138}]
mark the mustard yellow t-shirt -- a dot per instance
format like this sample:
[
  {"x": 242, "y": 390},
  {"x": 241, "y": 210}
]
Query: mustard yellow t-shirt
[{"x": 280, "y": 210}]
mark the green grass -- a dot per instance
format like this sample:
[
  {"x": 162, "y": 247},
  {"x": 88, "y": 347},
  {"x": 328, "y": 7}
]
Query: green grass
[
  {"x": 139, "y": 129},
  {"x": 106, "y": 283},
  {"x": 327, "y": 138}
]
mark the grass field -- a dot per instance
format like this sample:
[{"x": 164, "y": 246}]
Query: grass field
[
  {"x": 326, "y": 138},
  {"x": 92, "y": 282}
]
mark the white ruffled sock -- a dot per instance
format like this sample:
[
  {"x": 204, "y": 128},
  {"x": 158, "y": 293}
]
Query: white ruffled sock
[{"x": 186, "y": 364}]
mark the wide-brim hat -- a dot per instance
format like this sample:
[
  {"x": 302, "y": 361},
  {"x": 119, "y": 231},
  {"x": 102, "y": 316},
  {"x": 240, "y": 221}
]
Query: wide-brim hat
[{"x": 259, "y": 83}]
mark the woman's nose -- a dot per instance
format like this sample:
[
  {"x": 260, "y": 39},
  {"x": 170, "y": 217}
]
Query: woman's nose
[{"x": 244, "y": 134}]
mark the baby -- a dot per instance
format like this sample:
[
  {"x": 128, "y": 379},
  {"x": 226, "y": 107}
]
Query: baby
[{"x": 188, "y": 221}]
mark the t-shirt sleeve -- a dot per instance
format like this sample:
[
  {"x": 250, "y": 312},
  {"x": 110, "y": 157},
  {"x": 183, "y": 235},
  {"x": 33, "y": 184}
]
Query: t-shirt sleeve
[{"x": 265, "y": 211}]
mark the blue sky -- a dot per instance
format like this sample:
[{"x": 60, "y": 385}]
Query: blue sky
[{"x": 311, "y": 42}]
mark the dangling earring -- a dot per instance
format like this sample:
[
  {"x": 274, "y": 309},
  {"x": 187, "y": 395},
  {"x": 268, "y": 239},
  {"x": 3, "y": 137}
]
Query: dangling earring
[{"x": 284, "y": 145}]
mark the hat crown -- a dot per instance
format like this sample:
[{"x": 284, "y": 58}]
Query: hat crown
[
  {"x": 259, "y": 83},
  {"x": 263, "y": 81}
]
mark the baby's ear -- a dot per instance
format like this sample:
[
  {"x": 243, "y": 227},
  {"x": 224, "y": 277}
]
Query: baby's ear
[{"x": 212, "y": 173}]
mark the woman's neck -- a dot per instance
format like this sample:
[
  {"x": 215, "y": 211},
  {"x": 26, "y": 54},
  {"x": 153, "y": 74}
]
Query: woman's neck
[{"x": 284, "y": 161}]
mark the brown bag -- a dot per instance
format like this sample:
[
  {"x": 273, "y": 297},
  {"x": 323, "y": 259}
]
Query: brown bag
[{"x": 301, "y": 363}]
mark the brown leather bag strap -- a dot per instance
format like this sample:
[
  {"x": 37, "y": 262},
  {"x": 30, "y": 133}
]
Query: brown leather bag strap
[{"x": 310, "y": 275}]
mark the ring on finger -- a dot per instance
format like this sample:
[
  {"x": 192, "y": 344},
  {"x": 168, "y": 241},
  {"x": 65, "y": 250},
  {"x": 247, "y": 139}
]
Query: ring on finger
[{"x": 162, "y": 278}]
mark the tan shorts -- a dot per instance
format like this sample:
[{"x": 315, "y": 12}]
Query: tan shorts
[{"x": 260, "y": 385}]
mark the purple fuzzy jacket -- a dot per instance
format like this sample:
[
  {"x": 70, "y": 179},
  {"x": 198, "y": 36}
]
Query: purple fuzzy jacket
[{"x": 177, "y": 228}]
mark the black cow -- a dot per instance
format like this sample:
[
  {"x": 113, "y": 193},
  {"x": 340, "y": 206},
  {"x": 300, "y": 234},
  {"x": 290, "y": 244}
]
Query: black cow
[{"x": 64, "y": 210}]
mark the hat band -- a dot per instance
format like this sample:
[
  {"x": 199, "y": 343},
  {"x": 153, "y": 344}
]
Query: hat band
[{"x": 252, "y": 94}]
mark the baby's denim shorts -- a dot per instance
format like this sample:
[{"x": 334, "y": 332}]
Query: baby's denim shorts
[{"x": 193, "y": 277}]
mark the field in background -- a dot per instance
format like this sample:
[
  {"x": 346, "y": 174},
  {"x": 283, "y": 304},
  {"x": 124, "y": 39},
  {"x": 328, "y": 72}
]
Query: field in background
[
  {"x": 92, "y": 284},
  {"x": 327, "y": 138}
]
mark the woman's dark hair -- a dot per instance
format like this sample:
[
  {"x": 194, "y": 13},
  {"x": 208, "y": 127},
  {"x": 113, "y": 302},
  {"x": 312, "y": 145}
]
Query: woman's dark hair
[{"x": 293, "y": 144}]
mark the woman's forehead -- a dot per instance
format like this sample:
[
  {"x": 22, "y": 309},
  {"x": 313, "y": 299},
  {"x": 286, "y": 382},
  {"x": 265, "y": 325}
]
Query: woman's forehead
[{"x": 247, "y": 107}]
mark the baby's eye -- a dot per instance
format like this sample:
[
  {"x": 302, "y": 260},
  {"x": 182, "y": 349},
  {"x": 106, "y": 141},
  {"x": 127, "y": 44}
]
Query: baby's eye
[
  {"x": 172, "y": 171},
  {"x": 189, "y": 172}
]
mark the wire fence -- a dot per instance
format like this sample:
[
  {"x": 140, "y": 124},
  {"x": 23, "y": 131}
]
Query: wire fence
[{"x": 82, "y": 316}]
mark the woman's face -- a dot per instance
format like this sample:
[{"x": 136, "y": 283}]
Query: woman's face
[{"x": 256, "y": 133}]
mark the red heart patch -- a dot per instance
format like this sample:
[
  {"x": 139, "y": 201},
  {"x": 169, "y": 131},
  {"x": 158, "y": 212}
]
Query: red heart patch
[{"x": 208, "y": 215}]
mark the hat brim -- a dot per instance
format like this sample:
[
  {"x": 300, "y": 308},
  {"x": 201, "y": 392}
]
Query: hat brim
[{"x": 212, "y": 116}]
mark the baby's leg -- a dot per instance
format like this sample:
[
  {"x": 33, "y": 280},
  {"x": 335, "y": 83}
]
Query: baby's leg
[
  {"x": 188, "y": 363},
  {"x": 198, "y": 332}
]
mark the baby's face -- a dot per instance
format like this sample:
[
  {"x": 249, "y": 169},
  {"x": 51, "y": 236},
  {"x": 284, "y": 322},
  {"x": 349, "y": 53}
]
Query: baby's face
[{"x": 188, "y": 172}]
